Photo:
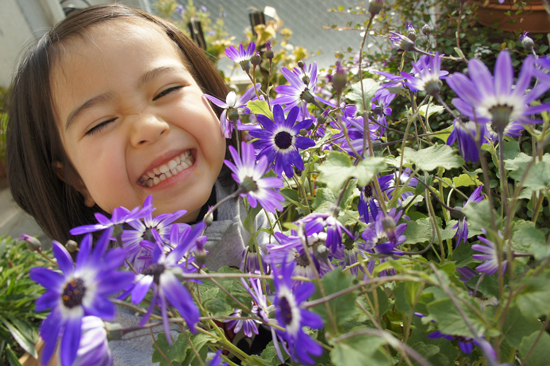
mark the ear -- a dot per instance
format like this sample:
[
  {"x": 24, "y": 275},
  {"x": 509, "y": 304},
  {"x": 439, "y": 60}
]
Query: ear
[{"x": 77, "y": 184}]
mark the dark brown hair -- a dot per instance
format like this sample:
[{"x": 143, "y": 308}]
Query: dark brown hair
[{"x": 33, "y": 142}]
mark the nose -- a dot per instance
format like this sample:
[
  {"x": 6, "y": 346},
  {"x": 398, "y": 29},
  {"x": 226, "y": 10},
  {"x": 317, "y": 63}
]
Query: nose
[{"x": 147, "y": 128}]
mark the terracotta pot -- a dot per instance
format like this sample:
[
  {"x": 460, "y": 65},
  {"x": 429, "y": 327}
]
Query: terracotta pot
[{"x": 534, "y": 17}]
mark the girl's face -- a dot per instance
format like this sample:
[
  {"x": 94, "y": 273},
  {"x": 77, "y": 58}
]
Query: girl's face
[{"x": 133, "y": 121}]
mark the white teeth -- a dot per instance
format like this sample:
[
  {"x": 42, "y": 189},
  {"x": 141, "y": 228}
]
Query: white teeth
[{"x": 168, "y": 170}]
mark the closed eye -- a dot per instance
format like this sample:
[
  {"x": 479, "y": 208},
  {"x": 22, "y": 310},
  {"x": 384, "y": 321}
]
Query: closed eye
[
  {"x": 167, "y": 91},
  {"x": 97, "y": 128}
]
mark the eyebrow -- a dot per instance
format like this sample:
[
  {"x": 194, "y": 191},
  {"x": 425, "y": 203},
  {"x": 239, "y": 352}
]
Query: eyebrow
[
  {"x": 101, "y": 98},
  {"x": 152, "y": 74}
]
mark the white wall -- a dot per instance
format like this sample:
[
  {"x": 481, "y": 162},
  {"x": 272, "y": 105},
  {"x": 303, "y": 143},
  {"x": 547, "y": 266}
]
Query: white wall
[{"x": 23, "y": 22}]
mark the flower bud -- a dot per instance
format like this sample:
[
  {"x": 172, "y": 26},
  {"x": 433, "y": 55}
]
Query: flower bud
[
  {"x": 245, "y": 65},
  {"x": 71, "y": 246},
  {"x": 527, "y": 42},
  {"x": 305, "y": 79},
  {"x": 426, "y": 30},
  {"x": 374, "y": 7},
  {"x": 32, "y": 243},
  {"x": 303, "y": 132},
  {"x": 269, "y": 53},
  {"x": 256, "y": 59},
  {"x": 340, "y": 78},
  {"x": 388, "y": 223},
  {"x": 377, "y": 145},
  {"x": 208, "y": 219},
  {"x": 411, "y": 32},
  {"x": 378, "y": 111},
  {"x": 200, "y": 252},
  {"x": 301, "y": 64},
  {"x": 402, "y": 42}
]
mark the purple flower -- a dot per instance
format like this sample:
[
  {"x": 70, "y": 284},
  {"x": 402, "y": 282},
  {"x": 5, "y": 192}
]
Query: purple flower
[
  {"x": 94, "y": 346},
  {"x": 353, "y": 252},
  {"x": 356, "y": 132},
  {"x": 464, "y": 343},
  {"x": 368, "y": 206},
  {"x": 241, "y": 56},
  {"x": 280, "y": 140},
  {"x": 490, "y": 255},
  {"x": 216, "y": 361},
  {"x": 484, "y": 98},
  {"x": 249, "y": 172},
  {"x": 79, "y": 291},
  {"x": 180, "y": 10},
  {"x": 383, "y": 239},
  {"x": 401, "y": 42},
  {"x": 251, "y": 262},
  {"x": 405, "y": 181},
  {"x": 427, "y": 75},
  {"x": 230, "y": 108},
  {"x": 302, "y": 82},
  {"x": 162, "y": 224},
  {"x": 465, "y": 133},
  {"x": 248, "y": 326},
  {"x": 120, "y": 216},
  {"x": 316, "y": 223},
  {"x": 163, "y": 274},
  {"x": 293, "y": 317},
  {"x": 462, "y": 225}
]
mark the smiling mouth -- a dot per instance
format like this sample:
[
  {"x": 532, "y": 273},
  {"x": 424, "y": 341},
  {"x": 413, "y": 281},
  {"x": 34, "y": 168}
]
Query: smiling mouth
[{"x": 175, "y": 166}]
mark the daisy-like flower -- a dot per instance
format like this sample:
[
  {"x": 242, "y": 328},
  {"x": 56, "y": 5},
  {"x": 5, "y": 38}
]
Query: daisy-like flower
[
  {"x": 120, "y": 216},
  {"x": 80, "y": 290},
  {"x": 241, "y": 56},
  {"x": 280, "y": 140},
  {"x": 163, "y": 274},
  {"x": 316, "y": 223},
  {"x": 143, "y": 230},
  {"x": 382, "y": 238},
  {"x": 302, "y": 83},
  {"x": 249, "y": 327},
  {"x": 465, "y": 133},
  {"x": 405, "y": 180},
  {"x": 248, "y": 173},
  {"x": 356, "y": 133},
  {"x": 293, "y": 317},
  {"x": 230, "y": 114},
  {"x": 94, "y": 347},
  {"x": 427, "y": 75},
  {"x": 484, "y": 98},
  {"x": 367, "y": 207},
  {"x": 402, "y": 42},
  {"x": 462, "y": 224},
  {"x": 490, "y": 256}
]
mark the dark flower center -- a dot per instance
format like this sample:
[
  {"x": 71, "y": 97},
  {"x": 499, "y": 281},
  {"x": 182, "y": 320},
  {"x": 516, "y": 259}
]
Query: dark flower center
[
  {"x": 301, "y": 260},
  {"x": 463, "y": 339},
  {"x": 286, "y": 311},
  {"x": 148, "y": 235},
  {"x": 368, "y": 191},
  {"x": 283, "y": 140},
  {"x": 73, "y": 293},
  {"x": 154, "y": 270}
]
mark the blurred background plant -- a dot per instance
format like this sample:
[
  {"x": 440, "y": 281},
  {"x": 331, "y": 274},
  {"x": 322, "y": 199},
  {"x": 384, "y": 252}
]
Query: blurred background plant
[{"x": 18, "y": 321}]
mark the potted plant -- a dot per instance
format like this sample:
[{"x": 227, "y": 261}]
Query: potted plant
[{"x": 514, "y": 15}]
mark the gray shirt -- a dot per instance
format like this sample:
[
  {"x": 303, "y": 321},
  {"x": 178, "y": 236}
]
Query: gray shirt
[{"x": 227, "y": 239}]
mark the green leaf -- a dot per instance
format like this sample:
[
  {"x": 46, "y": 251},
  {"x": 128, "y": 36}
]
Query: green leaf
[
  {"x": 20, "y": 338},
  {"x": 449, "y": 321},
  {"x": 200, "y": 341},
  {"x": 463, "y": 180},
  {"x": 324, "y": 199},
  {"x": 534, "y": 298},
  {"x": 338, "y": 168},
  {"x": 342, "y": 307},
  {"x": 528, "y": 239},
  {"x": 249, "y": 220},
  {"x": 488, "y": 286},
  {"x": 12, "y": 357},
  {"x": 444, "y": 134},
  {"x": 370, "y": 86},
  {"x": 359, "y": 350},
  {"x": 538, "y": 176},
  {"x": 511, "y": 149},
  {"x": 418, "y": 231},
  {"x": 269, "y": 355},
  {"x": 516, "y": 327},
  {"x": 479, "y": 215},
  {"x": 175, "y": 353},
  {"x": 431, "y": 108},
  {"x": 437, "y": 156},
  {"x": 539, "y": 355},
  {"x": 260, "y": 107}
]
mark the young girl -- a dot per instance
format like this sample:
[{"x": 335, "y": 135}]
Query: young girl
[{"x": 106, "y": 110}]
